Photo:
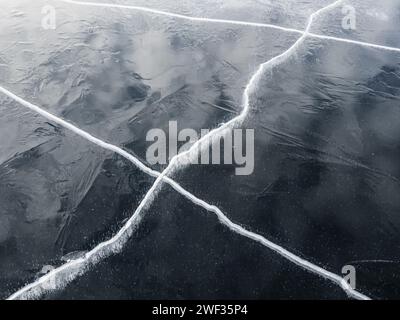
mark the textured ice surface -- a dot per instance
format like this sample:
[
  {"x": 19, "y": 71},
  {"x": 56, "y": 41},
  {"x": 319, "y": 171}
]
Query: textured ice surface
[
  {"x": 326, "y": 162},
  {"x": 180, "y": 251},
  {"x": 376, "y": 22},
  {"x": 286, "y": 13},
  {"x": 61, "y": 195},
  {"x": 119, "y": 74}
]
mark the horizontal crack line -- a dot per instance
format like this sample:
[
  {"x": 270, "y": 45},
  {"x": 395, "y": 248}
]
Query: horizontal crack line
[
  {"x": 115, "y": 244},
  {"x": 232, "y": 22}
]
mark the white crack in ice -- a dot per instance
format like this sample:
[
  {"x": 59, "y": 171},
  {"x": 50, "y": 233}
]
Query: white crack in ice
[
  {"x": 233, "y": 22},
  {"x": 60, "y": 277}
]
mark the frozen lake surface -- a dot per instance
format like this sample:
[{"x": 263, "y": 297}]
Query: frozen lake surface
[{"x": 325, "y": 185}]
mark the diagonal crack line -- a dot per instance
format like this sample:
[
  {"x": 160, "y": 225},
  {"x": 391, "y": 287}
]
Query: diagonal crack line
[
  {"x": 61, "y": 276},
  {"x": 37, "y": 288},
  {"x": 232, "y": 22}
]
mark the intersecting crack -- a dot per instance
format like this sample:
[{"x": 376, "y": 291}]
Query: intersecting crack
[{"x": 69, "y": 271}]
